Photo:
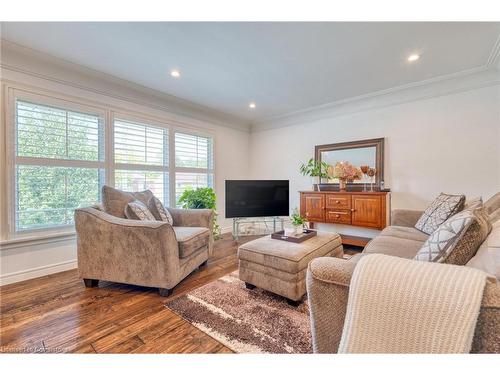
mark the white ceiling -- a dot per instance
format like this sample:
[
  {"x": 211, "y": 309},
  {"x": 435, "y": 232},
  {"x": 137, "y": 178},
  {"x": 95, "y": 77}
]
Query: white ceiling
[{"x": 283, "y": 67}]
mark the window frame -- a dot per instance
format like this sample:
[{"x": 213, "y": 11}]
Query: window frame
[
  {"x": 140, "y": 120},
  {"x": 108, "y": 113},
  {"x": 13, "y": 160},
  {"x": 210, "y": 163}
]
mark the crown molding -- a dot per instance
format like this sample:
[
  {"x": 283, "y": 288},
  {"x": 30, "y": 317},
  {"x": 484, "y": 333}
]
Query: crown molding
[
  {"x": 484, "y": 76},
  {"x": 20, "y": 59}
]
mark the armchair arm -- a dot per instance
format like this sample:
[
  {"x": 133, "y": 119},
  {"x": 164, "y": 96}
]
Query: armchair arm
[
  {"x": 327, "y": 284},
  {"x": 405, "y": 218},
  {"x": 128, "y": 251},
  {"x": 192, "y": 217},
  {"x": 195, "y": 218}
]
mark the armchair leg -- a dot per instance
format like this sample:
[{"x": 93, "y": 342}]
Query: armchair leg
[
  {"x": 91, "y": 283},
  {"x": 165, "y": 292},
  {"x": 249, "y": 286}
]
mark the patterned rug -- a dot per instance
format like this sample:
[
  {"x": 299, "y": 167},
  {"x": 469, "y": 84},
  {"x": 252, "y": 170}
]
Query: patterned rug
[{"x": 246, "y": 321}]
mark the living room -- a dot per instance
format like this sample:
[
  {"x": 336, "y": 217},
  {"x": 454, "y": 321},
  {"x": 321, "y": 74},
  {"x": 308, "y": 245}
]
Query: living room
[{"x": 249, "y": 186}]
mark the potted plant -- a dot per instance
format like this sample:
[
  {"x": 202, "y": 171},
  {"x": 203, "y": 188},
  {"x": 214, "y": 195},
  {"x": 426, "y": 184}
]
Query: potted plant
[
  {"x": 298, "y": 222},
  {"x": 314, "y": 169},
  {"x": 202, "y": 198}
]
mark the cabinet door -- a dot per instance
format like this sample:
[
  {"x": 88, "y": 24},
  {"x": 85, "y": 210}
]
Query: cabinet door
[
  {"x": 313, "y": 207},
  {"x": 367, "y": 211}
]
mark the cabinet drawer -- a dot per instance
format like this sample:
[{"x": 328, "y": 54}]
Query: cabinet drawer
[
  {"x": 338, "y": 216},
  {"x": 338, "y": 201}
]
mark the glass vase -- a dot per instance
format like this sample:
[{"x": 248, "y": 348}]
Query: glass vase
[{"x": 342, "y": 185}]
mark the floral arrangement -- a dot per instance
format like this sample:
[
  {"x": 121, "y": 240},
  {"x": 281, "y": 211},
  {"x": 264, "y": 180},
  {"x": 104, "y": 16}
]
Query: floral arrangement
[{"x": 345, "y": 171}]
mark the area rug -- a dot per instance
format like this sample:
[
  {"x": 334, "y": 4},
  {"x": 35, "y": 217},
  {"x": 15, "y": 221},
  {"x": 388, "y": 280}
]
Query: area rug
[{"x": 246, "y": 321}]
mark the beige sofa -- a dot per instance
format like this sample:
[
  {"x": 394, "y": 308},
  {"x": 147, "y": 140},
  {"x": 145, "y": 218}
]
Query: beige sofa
[
  {"x": 328, "y": 285},
  {"x": 146, "y": 253}
]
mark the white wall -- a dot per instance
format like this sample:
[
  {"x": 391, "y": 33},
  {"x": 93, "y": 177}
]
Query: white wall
[
  {"x": 448, "y": 143},
  {"x": 23, "y": 260}
]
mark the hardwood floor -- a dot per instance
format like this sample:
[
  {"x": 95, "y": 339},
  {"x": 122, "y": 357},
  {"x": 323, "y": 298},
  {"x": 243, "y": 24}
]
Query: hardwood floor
[{"x": 56, "y": 313}]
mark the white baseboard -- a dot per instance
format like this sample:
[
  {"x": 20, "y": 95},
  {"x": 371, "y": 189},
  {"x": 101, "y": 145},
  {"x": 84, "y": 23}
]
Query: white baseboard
[{"x": 32, "y": 273}]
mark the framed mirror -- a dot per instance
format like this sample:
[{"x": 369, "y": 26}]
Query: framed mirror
[{"x": 369, "y": 152}]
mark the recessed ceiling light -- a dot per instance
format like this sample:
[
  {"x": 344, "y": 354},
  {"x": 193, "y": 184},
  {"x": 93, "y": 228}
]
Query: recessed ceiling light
[
  {"x": 175, "y": 73},
  {"x": 413, "y": 57},
  {"x": 252, "y": 105}
]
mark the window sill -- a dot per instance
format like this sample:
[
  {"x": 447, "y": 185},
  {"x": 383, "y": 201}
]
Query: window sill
[{"x": 36, "y": 240}]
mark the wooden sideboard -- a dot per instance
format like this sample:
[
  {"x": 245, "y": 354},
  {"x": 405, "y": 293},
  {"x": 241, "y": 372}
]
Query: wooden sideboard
[{"x": 362, "y": 209}]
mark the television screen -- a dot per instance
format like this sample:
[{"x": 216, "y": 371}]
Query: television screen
[{"x": 257, "y": 198}]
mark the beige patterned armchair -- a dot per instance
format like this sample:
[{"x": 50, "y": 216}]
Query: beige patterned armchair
[{"x": 146, "y": 253}]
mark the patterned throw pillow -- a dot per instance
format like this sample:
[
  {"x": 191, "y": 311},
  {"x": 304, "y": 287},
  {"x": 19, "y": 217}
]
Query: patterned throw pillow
[
  {"x": 159, "y": 211},
  {"x": 136, "y": 210},
  {"x": 456, "y": 240},
  {"x": 443, "y": 207}
]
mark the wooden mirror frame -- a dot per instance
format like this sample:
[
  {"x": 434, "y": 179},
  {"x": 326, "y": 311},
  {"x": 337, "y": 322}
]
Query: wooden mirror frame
[{"x": 378, "y": 143}]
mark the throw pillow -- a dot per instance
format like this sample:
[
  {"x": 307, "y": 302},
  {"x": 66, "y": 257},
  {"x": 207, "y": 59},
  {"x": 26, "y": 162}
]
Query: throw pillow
[
  {"x": 115, "y": 200},
  {"x": 159, "y": 211},
  {"x": 136, "y": 210},
  {"x": 456, "y": 240},
  {"x": 487, "y": 257},
  {"x": 443, "y": 207}
]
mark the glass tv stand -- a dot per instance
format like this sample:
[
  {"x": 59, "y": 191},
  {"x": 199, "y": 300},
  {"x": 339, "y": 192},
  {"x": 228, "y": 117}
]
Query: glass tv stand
[{"x": 256, "y": 226}]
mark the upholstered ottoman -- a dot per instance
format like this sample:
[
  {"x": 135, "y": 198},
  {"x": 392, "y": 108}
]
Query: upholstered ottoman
[{"x": 280, "y": 266}]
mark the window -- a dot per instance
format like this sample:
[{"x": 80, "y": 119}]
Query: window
[
  {"x": 60, "y": 162},
  {"x": 141, "y": 158},
  {"x": 59, "y": 157},
  {"x": 193, "y": 162}
]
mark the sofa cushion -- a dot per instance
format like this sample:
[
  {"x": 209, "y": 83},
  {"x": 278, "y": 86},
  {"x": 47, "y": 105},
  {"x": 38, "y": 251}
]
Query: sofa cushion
[
  {"x": 159, "y": 211},
  {"x": 114, "y": 200},
  {"x": 493, "y": 204},
  {"x": 443, "y": 207},
  {"x": 191, "y": 239},
  {"x": 405, "y": 233},
  {"x": 136, "y": 210},
  {"x": 399, "y": 247},
  {"x": 457, "y": 239},
  {"x": 487, "y": 257}
]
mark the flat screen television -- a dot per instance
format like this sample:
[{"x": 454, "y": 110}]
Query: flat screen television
[{"x": 257, "y": 198}]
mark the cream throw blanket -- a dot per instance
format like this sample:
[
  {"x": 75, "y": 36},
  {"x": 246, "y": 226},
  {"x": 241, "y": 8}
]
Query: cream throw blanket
[{"x": 405, "y": 306}]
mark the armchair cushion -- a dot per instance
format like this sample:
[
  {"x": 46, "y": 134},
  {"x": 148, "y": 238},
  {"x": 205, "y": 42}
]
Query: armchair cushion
[
  {"x": 136, "y": 210},
  {"x": 115, "y": 200},
  {"x": 159, "y": 211},
  {"x": 191, "y": 239}
]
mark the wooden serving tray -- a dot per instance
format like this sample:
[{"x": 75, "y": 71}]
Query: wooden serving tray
[{"x": 301, "y": 237}]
